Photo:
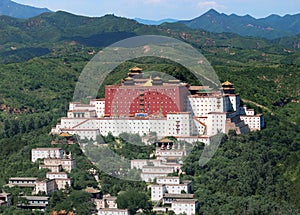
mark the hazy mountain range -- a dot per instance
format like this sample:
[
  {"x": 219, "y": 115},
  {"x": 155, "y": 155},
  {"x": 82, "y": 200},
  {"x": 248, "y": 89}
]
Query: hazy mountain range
[
  {"x": 154, "y": 22},
  {"x": 271, "y": 27},
  {"x": 10, "y": 8}
]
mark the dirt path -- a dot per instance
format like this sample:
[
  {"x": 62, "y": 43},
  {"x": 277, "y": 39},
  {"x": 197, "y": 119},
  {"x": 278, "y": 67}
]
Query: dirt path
[{"x": 258, "y": 105}]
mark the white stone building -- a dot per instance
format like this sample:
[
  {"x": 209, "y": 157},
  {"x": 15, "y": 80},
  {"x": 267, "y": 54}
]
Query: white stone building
[
  {"x": 99, "y": 106},
  {"x": 173, "y": 194},
  {"x": 106, "y": 202},
  {"x": 35, "y": 203},
  {"x": 113, "y": 211},
  {"x": 170, "y": 185},
  {"x": 66, "y": 164},
  {"x": 188, "y": 206},
  {"x": 61, "y": 179},
  {"x": 41, "y": 153},
  {"x": 55, "y": 175},
  {"x": 22, "y": 181},
  {"x": 168, "y": 160},
  {"x": 140, "y": 163},
  {"x": 255, "y": 122},
  {"x": 149, "y": 173},
  {"x": 47, "y": 186}
]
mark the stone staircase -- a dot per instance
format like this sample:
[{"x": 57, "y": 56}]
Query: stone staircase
[{"x": 235, "y": 123}]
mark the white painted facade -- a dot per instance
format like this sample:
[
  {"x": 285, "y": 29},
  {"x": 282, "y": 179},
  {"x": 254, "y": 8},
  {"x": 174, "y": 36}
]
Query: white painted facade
[
  {"x": 113, "y": 211},
  {"x": 178, "y": 188},
  {"x": 48, "y": 186},
  {"x": 170, "y": 153},
  {"x": 99, "y": 106},
  {"x": 188, "y": 206},
  {"x": 106, "y": 202},
  {"x": 66, "y": 164},
  {"x": 22, "y": 181},
  {"x": 168, "y": 180},
  {"x": 62, "y": 183},
  {"x": 140, "y": 163},
  {"x": 41, "y": 153},
  {"x": 157, "y": 192},
  {"x": 202, "y": 105},
  {"x": 55, "y": 175},
  {"x": 217, "y": 120},
  {"x": 61, "y": 179},
  {"x": 170, "y": 185},
  {"x": 178, "y": 124},
  {"x": 255, "y": 122},
  {"x": 149, "y": 173},
  {"x": 53, "y": 168}
]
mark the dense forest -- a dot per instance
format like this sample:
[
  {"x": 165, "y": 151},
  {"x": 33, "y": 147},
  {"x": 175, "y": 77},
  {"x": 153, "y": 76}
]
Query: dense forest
[{"x": 257, "y": 173}]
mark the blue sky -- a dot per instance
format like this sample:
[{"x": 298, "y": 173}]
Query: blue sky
[{"x": 160, "y": 9}]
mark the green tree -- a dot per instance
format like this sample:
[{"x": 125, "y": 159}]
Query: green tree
[{"x": 133, "y": 200}]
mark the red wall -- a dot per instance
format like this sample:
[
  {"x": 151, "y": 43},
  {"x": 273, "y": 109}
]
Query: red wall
[{"x": 125, "y": 100}]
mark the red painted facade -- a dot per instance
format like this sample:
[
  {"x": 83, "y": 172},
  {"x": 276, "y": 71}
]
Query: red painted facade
[{"x": 152, "y": 100}]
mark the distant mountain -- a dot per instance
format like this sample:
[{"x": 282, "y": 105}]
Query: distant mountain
[
  {"x": 271, "y": 27},
  {"x": 49, "y": 28},
  {"x": 153, "y": 22},
  {"x": 13, "y": 9},
  {"x": 22, "y": 39},
  {"x": 59, "y": 26}
]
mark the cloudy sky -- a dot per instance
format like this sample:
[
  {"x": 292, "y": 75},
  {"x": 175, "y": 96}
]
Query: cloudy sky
[{"x": 160, "y": 9}]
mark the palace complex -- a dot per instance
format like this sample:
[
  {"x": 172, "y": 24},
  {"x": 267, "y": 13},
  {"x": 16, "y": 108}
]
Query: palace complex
[{"x": 166, "y": 107}]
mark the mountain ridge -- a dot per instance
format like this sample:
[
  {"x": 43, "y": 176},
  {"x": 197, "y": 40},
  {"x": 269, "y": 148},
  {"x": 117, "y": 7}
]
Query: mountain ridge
[
  {"x": 270, "y": 27},
  {"x": 22, "y": 39},
  {"x": 13, "y": 9}
]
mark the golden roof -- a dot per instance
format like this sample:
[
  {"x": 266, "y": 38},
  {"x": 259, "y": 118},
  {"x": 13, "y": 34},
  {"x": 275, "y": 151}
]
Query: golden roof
[
  {"x": 165, "y": 140},
  {"x": 91, "y": 190},
  {"x": 226, "y": 83},
  {"x": 128, "y": 79},
  {"x": 65, "y": 135},
  {"x": 157, "y": 78},
  {"x": 135, "y": 69},
  {"x": 148, "y": 83}
]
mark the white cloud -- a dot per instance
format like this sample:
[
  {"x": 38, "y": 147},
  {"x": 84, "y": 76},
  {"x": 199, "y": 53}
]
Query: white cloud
[{"x": 210, "y": 4}]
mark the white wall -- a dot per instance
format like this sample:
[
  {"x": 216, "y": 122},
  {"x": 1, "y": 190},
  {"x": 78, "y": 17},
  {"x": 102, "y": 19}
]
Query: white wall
[
  {"x": 179, "y": 124},
  {"x": 40, "y": 153},
  {"x": 157, "y": 192},
  {"x": 216, "y": 123},
  {"x": 184, "y": 207},
  {"x": 200, "y": 105},
  {"x": 99, "y": 106}
]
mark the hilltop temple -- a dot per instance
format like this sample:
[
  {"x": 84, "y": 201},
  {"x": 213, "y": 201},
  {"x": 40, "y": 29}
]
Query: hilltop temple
[{"x": 169, "y": 108}]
